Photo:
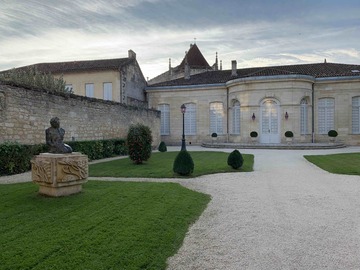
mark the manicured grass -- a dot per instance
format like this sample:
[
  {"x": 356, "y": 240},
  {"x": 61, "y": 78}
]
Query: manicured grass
[
  {"x": 160, "y": 165},
  {"x": 110, "y": 225},
  {"x": 338, "y": 163}
]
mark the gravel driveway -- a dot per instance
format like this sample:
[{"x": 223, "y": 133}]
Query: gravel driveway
[{"x": 287, "y": 214}]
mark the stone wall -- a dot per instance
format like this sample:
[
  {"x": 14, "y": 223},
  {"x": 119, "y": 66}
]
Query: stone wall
[{"x": 25, "y": 114}]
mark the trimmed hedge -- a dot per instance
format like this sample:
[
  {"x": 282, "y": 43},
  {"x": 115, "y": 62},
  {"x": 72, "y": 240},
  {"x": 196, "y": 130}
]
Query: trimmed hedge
[
  {"x": 183, "y": 163},
  {"x": 235, "y": 159},
  {"x": 162, "y": 147},
  {"x": 139, "y": 141},
  {"x": 15, "y": 158}
]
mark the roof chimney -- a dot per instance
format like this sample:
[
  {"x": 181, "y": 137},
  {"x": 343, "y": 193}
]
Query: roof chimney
[
  {"x": 132, "y": 54},
  {"x": 233, "y": 68},
  {"x": 220, "y": 64},
  {"x": 216, "y": 62}
]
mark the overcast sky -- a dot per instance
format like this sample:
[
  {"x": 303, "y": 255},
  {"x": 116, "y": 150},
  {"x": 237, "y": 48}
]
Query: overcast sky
[{"x": 255, "y": 32}]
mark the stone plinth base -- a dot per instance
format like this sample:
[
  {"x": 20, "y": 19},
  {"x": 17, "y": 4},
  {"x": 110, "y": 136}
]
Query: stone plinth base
[{"x": 59, "y": 174}]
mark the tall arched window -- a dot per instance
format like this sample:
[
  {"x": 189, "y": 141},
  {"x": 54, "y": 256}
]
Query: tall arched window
[
  {"x": 190, "y": 119},
  {"x": 355, "y": 119},
  {"x": 303, "y": 116},
  {"x": 326, "y": 111},
  {"x": 165, "y": 119},
  {"x": 216, "y": 117},
  {"x": 236, "y": 118}
]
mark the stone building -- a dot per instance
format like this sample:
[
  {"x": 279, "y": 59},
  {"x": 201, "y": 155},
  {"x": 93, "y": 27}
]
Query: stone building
[
  {"x": 193, "y": 63},
  {"x": 118, "y": 79},
  {"x": 307, "y": 99}
]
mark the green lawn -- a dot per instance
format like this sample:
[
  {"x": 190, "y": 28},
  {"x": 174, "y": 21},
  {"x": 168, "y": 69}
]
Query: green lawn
[
  {"x": 160, "y": 165},
  {"x": 110, "y": 225},
  {"x": 338, "y": 163}
]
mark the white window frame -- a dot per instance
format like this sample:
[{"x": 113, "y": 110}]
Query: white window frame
[
  {"x": 236, "y": 118},
  {"x": 165, "y": 119},
  {"x": 216, "y": 117},
  {"x": 190, "y": 119},
  {"x": 69, "y": 88},
  {"x": 304, "y": 116},
  {"x": 326, "y": 115},
  {"x": 107, "y": 89},
  {"x": 89, "y": 90},
  {"x": 355, "y": 115}
]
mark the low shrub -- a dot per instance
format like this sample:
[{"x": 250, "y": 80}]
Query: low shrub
[
  {"x": 100, "y": 149},
  {"x": 289, "y": 134},
  {"x": 162, "y": 147},
  {"x": 214, "y": 135},
  {"x": 15, "y": 158},
  {"x": 183, "y": 163},
  {"x": 139, "y": 141},
  {"x": 235, "y": 159},
  {"x": 253, "y": 134},
  {"x": 332, "y": 133}
]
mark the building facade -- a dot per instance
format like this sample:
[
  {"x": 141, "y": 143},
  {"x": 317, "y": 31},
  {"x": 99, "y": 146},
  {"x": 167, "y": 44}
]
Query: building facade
[
  {"x": 308, "y": 100},
  {"x": 120, "y": 80}
]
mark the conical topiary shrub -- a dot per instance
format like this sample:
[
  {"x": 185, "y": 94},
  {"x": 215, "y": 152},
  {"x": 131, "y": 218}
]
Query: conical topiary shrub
[
  {"x": 162, "y": 147},
  {"x": 235, "y": 159},
  {"x": 183, "y": 164}
]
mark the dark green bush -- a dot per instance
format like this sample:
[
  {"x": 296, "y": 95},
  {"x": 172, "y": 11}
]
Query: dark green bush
[
  {"x": 332, "y": 133},
  {"x": 139, "y": 141},
  {"x": 289, "y": 134},
  {"x": 183, "y": 164},
  {"x": 253, "y": 134},
  {"x": 120, "y": 148},
  {"x": 235, "y": 159},
  {"x": 100, "y": 149},
  {"x": 162, "y": 147},
  {"x": 15, "y": 158},
  {"x": 214, "y": 135}
]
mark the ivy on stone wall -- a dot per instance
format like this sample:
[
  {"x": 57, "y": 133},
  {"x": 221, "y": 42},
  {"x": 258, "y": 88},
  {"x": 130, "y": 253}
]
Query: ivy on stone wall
[{"x": 30, "y": 77}]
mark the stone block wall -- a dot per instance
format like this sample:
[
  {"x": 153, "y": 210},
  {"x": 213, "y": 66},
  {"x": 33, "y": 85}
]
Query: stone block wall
[{"x": 26, "y": 113}]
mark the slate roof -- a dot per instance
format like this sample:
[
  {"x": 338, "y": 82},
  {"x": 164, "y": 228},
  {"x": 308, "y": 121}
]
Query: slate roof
[
  {"x": 76, "y": 66},
  {"x": 195, "y": 59},
  {"x": 319, "y": 70}
]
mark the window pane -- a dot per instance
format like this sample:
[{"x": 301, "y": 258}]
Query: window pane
[
  {"x": 326, "y": 112},
  {"x": 303, "y": 117},
  {"x": 107, "y": 91},
  {"x": 355, "y": 115},
  {"x": 89, "y": 89},
  {"x": 190, "y": 119},
  {"x": 236, "y": 118},
  {"x": 165, "y": 119},
  {"x": 216, "y": 117}
]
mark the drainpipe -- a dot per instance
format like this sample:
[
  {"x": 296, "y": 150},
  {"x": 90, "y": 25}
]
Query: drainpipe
[{"x": 313, "y": 114}]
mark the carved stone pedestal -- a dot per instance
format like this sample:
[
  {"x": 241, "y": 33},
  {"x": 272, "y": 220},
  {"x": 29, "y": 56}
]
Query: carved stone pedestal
[{"x": 59, "y": 174}]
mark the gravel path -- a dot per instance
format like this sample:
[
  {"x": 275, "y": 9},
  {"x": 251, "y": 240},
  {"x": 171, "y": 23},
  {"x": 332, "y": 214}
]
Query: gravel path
[{"x": 287, "y": 214}]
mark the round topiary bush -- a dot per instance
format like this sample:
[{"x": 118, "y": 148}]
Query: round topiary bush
[
  {"x": 162, "y": 147},
  {"x": 183, "y": 163},
  {"x": 235, "y": 159},
  {"x": 253, "y": 134},
  {"x": 332, "y": 133},
  {"x": 289, "y": 134},
  {"x": 139, "y": 141},
  {"x": 214, "y": 135}
]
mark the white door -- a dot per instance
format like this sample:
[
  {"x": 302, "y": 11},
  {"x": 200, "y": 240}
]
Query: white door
[{"x": 270, "y": 122}]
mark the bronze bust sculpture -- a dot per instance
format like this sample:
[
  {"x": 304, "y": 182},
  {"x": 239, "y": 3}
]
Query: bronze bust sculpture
[{"x": 55, "y": 137}]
